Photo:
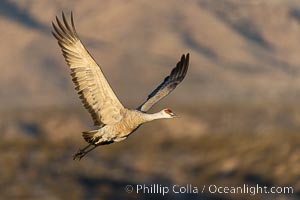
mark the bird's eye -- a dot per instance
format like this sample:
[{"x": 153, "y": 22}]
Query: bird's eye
[{"x": 168, "y": 111}]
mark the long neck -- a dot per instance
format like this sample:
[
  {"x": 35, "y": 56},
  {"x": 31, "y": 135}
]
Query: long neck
[{"x": 151, "y": 117}]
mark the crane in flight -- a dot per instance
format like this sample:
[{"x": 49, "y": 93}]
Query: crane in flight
[{"x": 114, "y": 122}]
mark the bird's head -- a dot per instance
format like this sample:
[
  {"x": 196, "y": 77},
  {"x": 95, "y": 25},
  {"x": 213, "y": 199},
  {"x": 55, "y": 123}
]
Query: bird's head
[{"x": 167, "y": 113}]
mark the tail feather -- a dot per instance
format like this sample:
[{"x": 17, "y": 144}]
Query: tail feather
[{"x": 89, "y": 136}]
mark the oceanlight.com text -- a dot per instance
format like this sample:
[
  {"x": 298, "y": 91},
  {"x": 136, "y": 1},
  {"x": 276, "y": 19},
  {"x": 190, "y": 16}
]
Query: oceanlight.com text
[
  {"x": 208, "y": 189},
  {"x": 251, "y": 190}
]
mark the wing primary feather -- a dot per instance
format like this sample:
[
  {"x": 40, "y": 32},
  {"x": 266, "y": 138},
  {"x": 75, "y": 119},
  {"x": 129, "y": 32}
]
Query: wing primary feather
[
  {"x": 61, "y": 27},
  {"x": 60, "y": 38},
  {"x": 67, "y": 25},
  {"x": 73, "y": 25},
  {"x": 168, "y": 85},
  {"x": 55, "y": 35}
]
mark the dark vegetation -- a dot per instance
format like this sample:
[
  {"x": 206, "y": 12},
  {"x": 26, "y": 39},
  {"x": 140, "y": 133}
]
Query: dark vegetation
[{"x": 237, "y": 147}]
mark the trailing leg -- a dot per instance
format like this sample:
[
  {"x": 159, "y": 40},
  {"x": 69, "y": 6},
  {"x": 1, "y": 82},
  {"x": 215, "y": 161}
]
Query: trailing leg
[{"x": 82, "y": 152}]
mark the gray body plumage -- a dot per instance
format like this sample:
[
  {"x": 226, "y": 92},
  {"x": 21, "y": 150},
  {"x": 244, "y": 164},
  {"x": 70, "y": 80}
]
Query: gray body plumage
[{"x": 130, "y": 121}]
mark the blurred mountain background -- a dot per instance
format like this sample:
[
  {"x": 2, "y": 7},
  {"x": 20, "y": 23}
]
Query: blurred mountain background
[{"x": 239, "y": 102}]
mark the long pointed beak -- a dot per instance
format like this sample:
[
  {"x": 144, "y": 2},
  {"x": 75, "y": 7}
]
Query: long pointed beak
[{"x": 176, "y": 116}]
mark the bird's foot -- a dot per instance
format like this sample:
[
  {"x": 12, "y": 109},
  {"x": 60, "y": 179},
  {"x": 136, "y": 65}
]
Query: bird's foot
[{"x": 80, "y": 154}]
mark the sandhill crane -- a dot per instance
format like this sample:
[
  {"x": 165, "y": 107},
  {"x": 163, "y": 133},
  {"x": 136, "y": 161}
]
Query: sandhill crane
[{"x": 114, "y": 122}]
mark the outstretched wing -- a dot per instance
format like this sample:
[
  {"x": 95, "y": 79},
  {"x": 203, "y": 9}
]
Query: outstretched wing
[
  {"x": 168, "y": 85},
  {"x": 93, "y": 89}
]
